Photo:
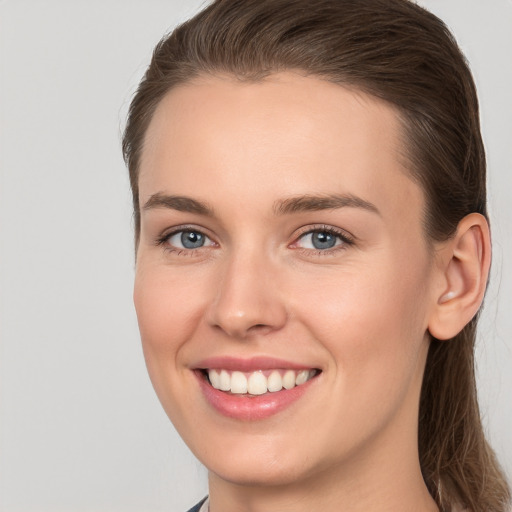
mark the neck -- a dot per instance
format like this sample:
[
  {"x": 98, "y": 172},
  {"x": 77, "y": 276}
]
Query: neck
[
  {"x": 384, "y": 476},
  {"x": 397, "y": 491},
  {"x": 363, "y": 485}
]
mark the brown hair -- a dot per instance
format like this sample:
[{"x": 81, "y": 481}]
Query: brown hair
[{"x": 401, "y": 53}]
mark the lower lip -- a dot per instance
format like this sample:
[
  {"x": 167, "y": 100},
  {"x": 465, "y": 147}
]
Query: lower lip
[{"x": 249, "y": 407}]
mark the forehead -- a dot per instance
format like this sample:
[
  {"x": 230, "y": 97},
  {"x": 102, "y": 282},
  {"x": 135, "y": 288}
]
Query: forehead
[{"x": 287, "y": 134}]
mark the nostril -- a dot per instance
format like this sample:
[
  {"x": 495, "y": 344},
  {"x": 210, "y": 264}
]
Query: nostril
[{"x": 259, "y": 328}]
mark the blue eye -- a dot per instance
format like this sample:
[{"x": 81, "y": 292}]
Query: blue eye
[
  {"x": 322, "y": 240},
  {"x": 188, "y": 239}
]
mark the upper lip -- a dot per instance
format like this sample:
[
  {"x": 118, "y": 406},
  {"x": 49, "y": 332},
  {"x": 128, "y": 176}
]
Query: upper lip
[{"x": 248, "y": 364}]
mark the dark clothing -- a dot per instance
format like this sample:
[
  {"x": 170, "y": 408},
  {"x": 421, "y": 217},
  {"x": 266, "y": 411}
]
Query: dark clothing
[{"x": 198, "y": 506}]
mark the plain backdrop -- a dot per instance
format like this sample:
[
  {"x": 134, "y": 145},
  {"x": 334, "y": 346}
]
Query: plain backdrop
[{"x": 81, "y": 429}]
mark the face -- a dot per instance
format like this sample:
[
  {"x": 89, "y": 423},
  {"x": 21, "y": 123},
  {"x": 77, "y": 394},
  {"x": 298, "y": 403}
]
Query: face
[{"x": 283, "y": 277}]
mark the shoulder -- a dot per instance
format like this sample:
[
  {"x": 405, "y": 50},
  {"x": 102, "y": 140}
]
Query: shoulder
[{"x": 197, "y": 508}]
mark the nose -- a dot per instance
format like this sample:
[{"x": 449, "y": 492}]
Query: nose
[{"x": 248, "y": 299}]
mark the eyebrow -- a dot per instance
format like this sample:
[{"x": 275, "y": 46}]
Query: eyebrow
[
  {"x": 313, "y": 203},
  {"x": 179, "y": 203},
  {"x": 303, "y": 203}
]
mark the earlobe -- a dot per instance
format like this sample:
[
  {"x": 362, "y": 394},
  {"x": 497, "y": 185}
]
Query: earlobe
[{"x": 464, "y": 263}]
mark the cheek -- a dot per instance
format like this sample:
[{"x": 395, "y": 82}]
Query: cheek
[
  {"x": 168, "y": 307},
  {"x": 372, "y": 322},
  {"x": 363, "y": 300},
  {"x": 168, "y": 314}
]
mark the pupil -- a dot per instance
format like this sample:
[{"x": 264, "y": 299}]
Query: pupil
[
  {"x": 323, "y": 240},
  {"x": 192, "y": 240}
]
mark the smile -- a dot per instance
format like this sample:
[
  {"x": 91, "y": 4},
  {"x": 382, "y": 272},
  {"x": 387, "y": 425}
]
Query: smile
[
  {"x": 256, "y": 388},
  {"x": 258, "y": 382}
]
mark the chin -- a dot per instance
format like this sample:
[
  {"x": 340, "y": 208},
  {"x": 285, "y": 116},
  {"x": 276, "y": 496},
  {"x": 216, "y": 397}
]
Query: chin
[
  {"x": 257, "y": 473},
  {"x": 263, "y": 459}
]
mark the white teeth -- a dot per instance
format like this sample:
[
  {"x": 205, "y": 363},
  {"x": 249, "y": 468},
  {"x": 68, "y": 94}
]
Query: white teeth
[
  {"x": 274, "y": 382},
  {"x": 256, "y": 383},
  {"x": 214, "y": 378},
  {"x": 289, "y": 379},
  {"x": 238, "y": 383},
  {"x": 302, "y": 377},
  {"x": 225, "y": 381}
]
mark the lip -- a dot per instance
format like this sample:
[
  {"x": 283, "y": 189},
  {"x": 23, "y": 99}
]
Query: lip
[
  {"x": 248, "y": 365},
  {"x": 248, "y": 407}
]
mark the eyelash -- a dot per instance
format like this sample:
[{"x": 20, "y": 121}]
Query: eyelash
[
  {"x": 346, "y": 240},
  {"x": 163, "y": 241}
]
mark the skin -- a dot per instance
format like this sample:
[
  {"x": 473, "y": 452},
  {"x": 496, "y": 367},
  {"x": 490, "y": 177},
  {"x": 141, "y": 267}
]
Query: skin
[{"x": 359, "y": 312}]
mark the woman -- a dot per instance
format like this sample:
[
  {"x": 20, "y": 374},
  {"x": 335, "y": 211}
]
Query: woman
[{"x": 312, "y": 252}]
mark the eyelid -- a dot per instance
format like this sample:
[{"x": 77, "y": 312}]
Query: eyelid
[
  {"x": 164, "y": 237},
  {"x": 346, "y": 238}
]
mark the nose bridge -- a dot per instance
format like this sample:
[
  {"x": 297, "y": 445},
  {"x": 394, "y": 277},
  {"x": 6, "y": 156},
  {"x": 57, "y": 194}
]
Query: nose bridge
[{"x": 247, "y": 299}]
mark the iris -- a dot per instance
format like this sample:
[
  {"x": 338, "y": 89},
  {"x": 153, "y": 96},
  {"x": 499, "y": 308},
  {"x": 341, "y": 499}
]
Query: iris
[
  {"x": 192, "y": 239},
  {"x": 323, "y": 240}
]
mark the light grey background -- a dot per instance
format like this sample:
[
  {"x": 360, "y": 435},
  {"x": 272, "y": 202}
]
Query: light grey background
[{"x": 81, "y": 429}]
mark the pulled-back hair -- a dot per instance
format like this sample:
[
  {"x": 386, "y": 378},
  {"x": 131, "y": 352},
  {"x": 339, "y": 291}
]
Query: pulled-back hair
[{"x": 406, "y": 56}]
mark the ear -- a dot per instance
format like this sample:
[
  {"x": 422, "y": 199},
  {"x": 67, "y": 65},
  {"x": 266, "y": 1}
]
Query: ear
[{"x": 463, "y": 266}]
